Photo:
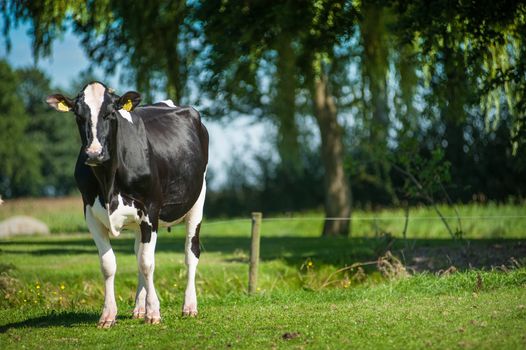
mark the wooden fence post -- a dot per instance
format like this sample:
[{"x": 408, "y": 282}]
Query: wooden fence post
[{"x": 254, "y": 253}]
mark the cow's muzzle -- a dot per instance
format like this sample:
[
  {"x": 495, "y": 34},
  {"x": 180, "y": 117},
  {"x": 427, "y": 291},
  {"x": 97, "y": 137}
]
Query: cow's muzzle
[{"x": 94, "y": 160}]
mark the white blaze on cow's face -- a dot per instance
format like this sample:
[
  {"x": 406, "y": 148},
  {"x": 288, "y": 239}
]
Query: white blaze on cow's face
[{"x": 94, "y": 97}]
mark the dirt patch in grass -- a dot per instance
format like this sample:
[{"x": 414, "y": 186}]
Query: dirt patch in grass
[{"x": 502, "y": 255}]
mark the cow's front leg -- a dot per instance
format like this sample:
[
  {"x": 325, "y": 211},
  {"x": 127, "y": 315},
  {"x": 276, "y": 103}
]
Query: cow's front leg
[
  {"x": 108, "y": 267},
  {"x": 140, "y": 297},
  {"x": 146, "y": 260},
  {"x": 192, "y": 252}
]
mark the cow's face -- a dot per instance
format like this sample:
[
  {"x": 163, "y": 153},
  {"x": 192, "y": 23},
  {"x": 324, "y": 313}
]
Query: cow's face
[{"x": 96, "y": 108}]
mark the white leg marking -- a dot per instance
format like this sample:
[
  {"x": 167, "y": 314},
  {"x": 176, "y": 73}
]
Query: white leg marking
[
  {"x": 193, "y": 219},
  {"x": 146, "y": 259},
  {"x": 108, "y": 267},
  {"x": 140, "y": 297}
]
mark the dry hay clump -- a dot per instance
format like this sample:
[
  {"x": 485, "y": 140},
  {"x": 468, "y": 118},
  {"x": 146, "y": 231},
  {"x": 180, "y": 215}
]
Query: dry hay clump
[
  {"x": 19, "y": 225},
  {"x": 391, "y": 267}
]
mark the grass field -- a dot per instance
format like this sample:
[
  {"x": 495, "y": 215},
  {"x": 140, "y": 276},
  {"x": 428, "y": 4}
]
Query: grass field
[{"x": 310, "y": 294}]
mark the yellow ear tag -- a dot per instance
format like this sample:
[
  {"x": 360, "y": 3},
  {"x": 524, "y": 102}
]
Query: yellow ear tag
[
  {"x": 128, "y": 106},
  {"x": 61, "y": 106}
]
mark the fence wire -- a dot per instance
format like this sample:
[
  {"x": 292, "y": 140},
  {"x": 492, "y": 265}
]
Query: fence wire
[{"x": 388, "y": 218}]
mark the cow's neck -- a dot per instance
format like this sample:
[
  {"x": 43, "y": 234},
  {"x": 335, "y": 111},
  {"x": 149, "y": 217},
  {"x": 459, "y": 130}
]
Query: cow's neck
[
  {"x": 105, "y": 175},
  {"x": 129, "y": 151}
]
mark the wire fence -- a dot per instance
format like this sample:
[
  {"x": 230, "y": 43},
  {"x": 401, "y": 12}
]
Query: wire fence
[{"x": 374, "y": 218}]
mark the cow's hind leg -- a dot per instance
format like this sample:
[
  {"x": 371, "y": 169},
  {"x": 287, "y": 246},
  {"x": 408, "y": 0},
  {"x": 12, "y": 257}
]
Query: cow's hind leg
[
  {"x": 108, "y": 266},
  {"x": 140, "y": 297},
  {"x": 146, "y": 260},
  {"x": 192, "y": 252}
]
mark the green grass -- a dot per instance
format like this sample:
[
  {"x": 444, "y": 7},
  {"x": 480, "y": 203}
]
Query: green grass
[
  {"x": 377, "y": 317},
  {"x": 51, "y": 287}
]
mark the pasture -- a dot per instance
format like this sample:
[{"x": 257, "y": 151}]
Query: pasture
[{"x": 373, "y": 290}]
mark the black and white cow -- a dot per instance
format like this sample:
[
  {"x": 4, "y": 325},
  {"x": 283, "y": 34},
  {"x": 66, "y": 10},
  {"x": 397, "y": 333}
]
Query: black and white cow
[{"x": 138, "y": 167}]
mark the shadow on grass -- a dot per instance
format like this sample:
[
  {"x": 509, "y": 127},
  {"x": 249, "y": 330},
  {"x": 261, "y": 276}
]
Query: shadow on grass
[
  {"x": 418, "y": 254},
  {"x": 64, "y": 319}
]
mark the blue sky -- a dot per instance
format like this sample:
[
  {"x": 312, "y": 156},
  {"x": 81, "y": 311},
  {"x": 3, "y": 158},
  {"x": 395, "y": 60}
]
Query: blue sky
[
  {"x": 67, "y": 60},
  {"x": 64, "y": 65}
]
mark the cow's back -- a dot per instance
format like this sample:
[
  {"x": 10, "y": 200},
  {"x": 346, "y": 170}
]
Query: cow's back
[{"x": 179, "y": 145}]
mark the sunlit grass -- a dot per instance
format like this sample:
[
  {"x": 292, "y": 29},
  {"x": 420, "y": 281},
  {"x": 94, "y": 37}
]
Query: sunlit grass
[
  {"x": 60, "y": 214},
  {"x": 489, "y": 220}
]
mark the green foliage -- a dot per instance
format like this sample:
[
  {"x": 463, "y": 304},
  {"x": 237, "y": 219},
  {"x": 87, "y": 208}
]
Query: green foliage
[
  {"x": 39, "y": 147},
  {"x": 144, "y": 38},
  {"x": 19, "y": 158},
  {"x": 425, "y": 176},
  {"x": 54, "y": 136},
  {"x": 486, "y": 40}
]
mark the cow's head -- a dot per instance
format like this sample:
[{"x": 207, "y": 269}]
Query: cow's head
[{"x": 96, "y": 108}]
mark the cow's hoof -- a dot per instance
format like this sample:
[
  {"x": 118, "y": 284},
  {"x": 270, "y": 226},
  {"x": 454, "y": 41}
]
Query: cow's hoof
[
  {"x": 139, "y": 313},
  {"x": 108, "y": 318},
  {"x": 190, "y": 311},
  {"x": 152, "y": 319},
  {"x": 106, "y": 323}
]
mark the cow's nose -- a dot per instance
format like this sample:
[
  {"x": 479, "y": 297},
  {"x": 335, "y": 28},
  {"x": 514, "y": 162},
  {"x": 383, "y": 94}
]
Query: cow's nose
[
  {"x": 94, "y": 150},
  {"x": 94, "y": 157},
  {"x": 93, "y": 154}
]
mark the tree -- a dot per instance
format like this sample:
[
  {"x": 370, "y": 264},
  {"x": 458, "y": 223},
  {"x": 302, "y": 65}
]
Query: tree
[
  {"x": 483, "y": 41},
  {"x": 53, "y": 136},
  {"x": 147, "y": 39},
  {"x": 245, "y": 41},
  {"x": 20, "y": 163},
  {"x": 376, "y": 55}
]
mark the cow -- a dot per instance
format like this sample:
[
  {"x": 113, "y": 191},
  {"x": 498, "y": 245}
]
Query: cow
[{"x": 139, "y": 167}]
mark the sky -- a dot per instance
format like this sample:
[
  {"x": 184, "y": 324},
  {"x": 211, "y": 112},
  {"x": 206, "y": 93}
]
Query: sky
[{"x": 67, "y": 60}]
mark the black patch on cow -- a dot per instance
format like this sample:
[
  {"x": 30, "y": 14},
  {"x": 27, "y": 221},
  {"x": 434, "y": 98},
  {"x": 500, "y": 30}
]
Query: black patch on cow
[
  {"x": 101, "y": 201},
  {"x": 195, "y": 248},
  {"x": 114, "y": 204},
  {"x": 126, "y": 200},
  {"x": 146, "y": 232}
]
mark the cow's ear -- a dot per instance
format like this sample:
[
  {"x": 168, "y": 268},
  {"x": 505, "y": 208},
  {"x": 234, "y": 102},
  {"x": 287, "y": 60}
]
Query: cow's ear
[
  {"x": 129, "y": 101},
  {"x": 60, "y": 102}
]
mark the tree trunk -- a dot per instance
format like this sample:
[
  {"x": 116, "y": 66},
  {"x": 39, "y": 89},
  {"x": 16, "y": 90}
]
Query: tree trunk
[
  {"x": 456, "y": 92},
  {"x": 337, "y": 193},
  {"x": 375, "y": 57},
  {"x": 285, "y": 105}
]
